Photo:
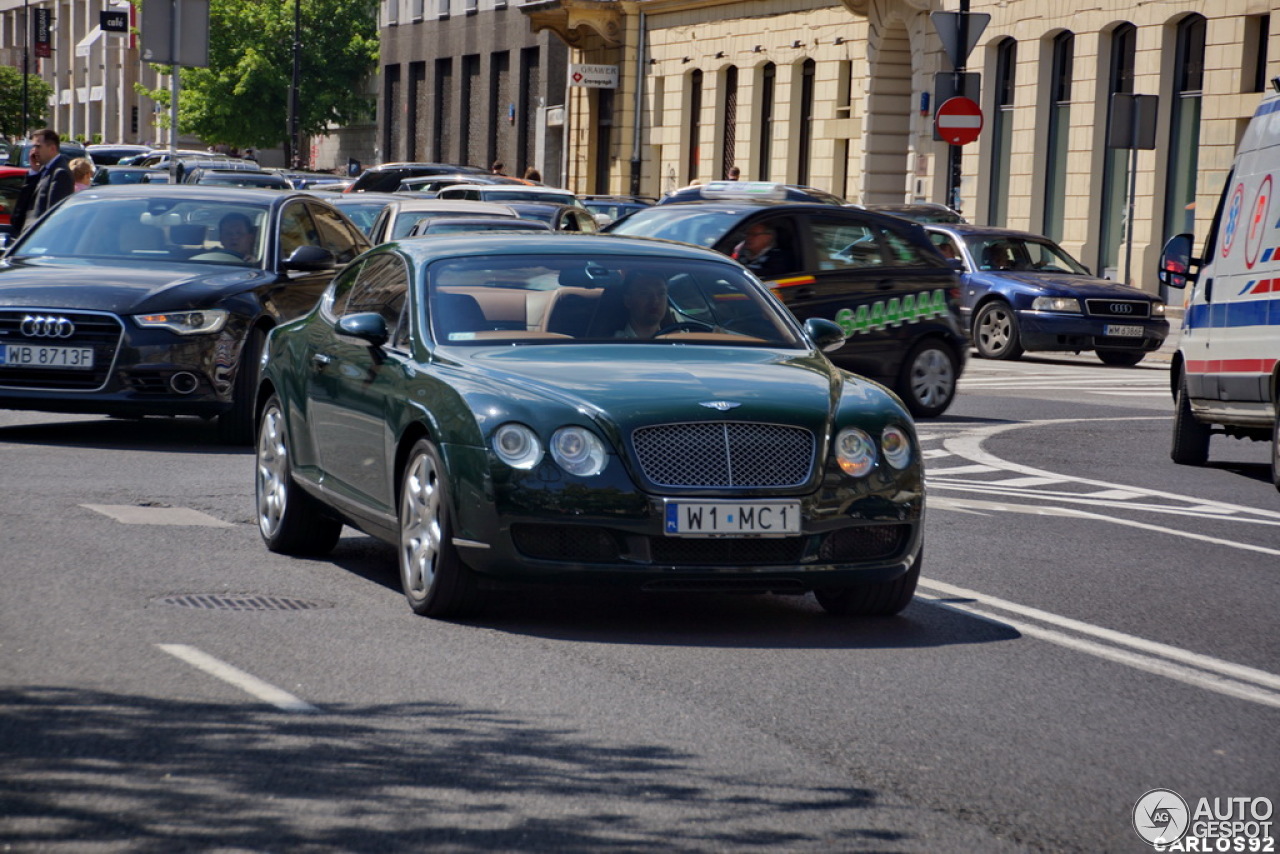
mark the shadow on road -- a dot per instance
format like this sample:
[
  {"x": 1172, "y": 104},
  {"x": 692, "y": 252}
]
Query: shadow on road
[
  {"x": 104, "y": 771},
  {"x": 190, "y": 435},
  {"x": 721, "y": 620}
]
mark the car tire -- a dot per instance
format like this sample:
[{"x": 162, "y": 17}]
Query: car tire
[
  {"x": 290, "y": 521},
  {"x": 1120, "y": 358},
  {"x": 929, "y": 376},
  {"x": 434, "y": 579},
  {"x": 995, "y": 332},
  {"x": 1190, "y": 437},
  {"x": 875, "y": 599},
  {"x": 1275, "y": 449},
  {"x": 236, "y": 425}
]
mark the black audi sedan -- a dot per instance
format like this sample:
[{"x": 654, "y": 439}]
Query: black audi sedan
[{"x": 156, "y": 300}]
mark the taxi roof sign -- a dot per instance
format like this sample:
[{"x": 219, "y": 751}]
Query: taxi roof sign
[{"x": 744, "y": 190}]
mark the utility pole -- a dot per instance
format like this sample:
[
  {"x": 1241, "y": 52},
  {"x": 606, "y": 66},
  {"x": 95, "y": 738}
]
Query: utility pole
[
  {"x": 295, "y": 139},
  {"x": 955, "y": 161},
  {"x": 26, "y": 65}
]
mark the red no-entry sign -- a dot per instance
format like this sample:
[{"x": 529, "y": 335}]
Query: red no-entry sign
[{"x": 959, "y": 120}]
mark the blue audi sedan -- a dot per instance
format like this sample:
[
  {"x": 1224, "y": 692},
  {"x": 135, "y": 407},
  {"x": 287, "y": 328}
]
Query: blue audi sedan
[{"x": 1021, "y": 291}]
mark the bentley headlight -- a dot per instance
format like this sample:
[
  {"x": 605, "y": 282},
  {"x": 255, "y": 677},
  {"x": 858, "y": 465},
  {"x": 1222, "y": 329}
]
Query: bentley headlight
[
  {"x": 578, "y": 451},
  {"x": 855, "y": 452},
  {"x": 1157, "y": 309},
  {"x": 517, "y": 446},
  {"x": 896, "y": 446},
  {"x": 185, "y": 322},
  {"x": 1062, "y": 304}
]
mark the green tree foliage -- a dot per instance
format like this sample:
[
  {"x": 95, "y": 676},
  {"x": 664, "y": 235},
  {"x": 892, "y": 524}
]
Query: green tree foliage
[
  {"x": 242, "y": 98},
  {"x": 38, "y": 94}
]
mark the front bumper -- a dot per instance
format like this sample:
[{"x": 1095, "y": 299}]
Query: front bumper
[
  {"x": 1046, "y": 330},
  {"x": 533, "y": 529},
  {"x": 136, "y": 372}
]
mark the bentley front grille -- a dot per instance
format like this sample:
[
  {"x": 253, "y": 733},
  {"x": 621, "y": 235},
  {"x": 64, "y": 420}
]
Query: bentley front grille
[
  {"x": 101, "y": 332},
  {"x": 741, "y": 455}
]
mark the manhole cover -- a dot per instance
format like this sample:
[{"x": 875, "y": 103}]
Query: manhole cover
[{"x": 241, "y": 602}]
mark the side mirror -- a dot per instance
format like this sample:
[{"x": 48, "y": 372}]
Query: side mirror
[
  {"x": 826, "y": 334},
  {"x": 310, "y": 259},
  {"x": 1176, "y": 262},
  {"x": 367, "y": 326}
]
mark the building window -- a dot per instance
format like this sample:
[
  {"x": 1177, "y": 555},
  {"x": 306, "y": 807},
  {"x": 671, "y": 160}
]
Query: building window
[
  {"x": 768, "y": 81},
  {"x": 442, "y": 8},
  {"x": 393, "y": 142},
  {"x": 1055, "y": 182},
  {"x": 445, "y": 150},
  {"x": 1184, "y": 126},
  {"x": 695, "y": 125},
  {"x": 416, "y": 9},
  {"x": 1002, "y": 132},
  {"x": 1115, "y": 165},
  {"x": 730, "y": 120},
  {"x": 392, "y": 12},
  {"x": 1253, "y": 74},
  {"x": 806, "y": 121}
]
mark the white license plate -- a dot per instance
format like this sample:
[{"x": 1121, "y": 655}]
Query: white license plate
[
  {"x": 731, "y": 518},
  {"x": 37, "y": 356},
  {"x": 1114, "y": 331}
]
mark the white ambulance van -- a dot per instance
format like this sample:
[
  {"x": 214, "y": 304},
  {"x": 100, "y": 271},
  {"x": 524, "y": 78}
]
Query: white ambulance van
[{"x": 1226, "y": 374}]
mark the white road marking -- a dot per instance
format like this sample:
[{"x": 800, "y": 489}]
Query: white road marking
[
  {"x": 963, "y": 504},
  {"x": 246, "y": 682},
  {"x": 132, "y": 514},
  {"x": 963, "y": 470},
  {"x": 969, "y": 447},
  {"x": 1213, "y": 674}
]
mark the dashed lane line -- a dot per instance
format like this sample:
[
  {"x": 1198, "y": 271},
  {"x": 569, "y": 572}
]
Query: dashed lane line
[{"x": 246, "y": 682}]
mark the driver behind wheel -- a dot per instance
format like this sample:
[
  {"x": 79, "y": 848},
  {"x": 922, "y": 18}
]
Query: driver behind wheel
[
  {"x": 644, "y": 295},
  {"x": 235, "y": 232}
]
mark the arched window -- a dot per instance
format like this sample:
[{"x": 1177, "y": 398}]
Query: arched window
[
  {"x": 1115, "y": 165},
  {"x": 806, "y": 121},
  {"x": 1184, "y": 126},
  {"x": 768, "y": 80},
  {"x": 730, "y": 120},
  {"x": 1002, "y": 131},
  {"x": 1055, "y": 181},
  {"x": 695, "y": 125}
]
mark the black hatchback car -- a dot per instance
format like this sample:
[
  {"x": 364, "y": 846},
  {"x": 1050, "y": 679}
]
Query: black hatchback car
[
  {"x": 157, "y": 299},
  {"x": 877, "y": 276}
]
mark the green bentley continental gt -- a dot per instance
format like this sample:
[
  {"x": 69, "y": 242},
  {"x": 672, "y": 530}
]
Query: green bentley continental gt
[{"x": 580, "y": 408}]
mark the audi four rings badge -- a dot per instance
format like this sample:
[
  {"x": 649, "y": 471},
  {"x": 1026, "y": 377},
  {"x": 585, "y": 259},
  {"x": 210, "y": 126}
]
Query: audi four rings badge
[{"x": 47, "y": 326}]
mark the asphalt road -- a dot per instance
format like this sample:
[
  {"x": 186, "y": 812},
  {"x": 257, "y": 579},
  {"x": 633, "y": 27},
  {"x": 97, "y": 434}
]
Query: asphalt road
[{"x": 1094, "y": 622}]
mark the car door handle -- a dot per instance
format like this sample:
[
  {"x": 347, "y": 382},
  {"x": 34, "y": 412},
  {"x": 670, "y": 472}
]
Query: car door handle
[
  {"x": 802, "y": 293},
  {"x": 885, "y": 284},
  {"x": 322, "y": 360}
]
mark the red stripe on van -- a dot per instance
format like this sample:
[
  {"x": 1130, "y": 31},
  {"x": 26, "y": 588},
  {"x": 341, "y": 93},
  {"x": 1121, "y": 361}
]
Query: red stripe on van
[{"x": 1231, "y": 366}]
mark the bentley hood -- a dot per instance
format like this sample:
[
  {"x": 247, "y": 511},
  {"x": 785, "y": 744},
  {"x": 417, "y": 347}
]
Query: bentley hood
[{"x": 635, "y": 384}]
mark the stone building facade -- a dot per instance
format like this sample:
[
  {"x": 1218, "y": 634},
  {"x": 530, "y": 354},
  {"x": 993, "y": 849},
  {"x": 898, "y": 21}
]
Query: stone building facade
[
  {"x": 468, "y": 82},
  {"x": 841, "y": 96},
  {"x": 92, "y": 73}
]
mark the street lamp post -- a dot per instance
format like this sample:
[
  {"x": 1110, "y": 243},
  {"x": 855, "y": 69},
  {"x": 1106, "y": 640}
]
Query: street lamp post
[
  {"x": 295, "y": 141},
  {"x": 26, "y": 64}
]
